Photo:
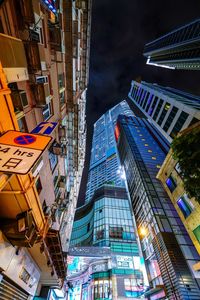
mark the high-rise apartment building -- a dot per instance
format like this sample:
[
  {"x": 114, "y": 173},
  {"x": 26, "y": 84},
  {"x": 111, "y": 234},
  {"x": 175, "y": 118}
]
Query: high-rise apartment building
[
  {"x": 188, "y": 207},
  {"x": 169, "y": 109},
  {"x": 168, "y": 251},
  {"x": 106, "y": 219},
  {"x": 178, "y": 49},
  {"x": 44, "y": 55}
]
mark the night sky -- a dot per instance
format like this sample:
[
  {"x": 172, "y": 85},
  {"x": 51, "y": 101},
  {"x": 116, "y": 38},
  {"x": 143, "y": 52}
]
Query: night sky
[{"x": 120, "y": 29}]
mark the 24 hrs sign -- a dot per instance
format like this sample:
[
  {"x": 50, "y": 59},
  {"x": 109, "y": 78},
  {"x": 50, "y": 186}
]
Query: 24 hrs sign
[{"x": 19, "y": 151}]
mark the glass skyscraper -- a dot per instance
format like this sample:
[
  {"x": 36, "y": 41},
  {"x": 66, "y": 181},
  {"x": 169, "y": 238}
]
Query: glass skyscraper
[
  {"x": 169, "y": 109},
  {"x": 178, "y": 49},
  {"x": 104, "y": 162},
  {"x": 168, "y": 251},
  {"x": 106, "y": 221}
]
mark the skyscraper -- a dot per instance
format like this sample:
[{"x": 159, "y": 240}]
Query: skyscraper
[
  {"x": 178, "y": 49},
  {"x": 168, "y": 251},
  {"x": 104, "y": 162},
  {"x": 106, "y": 218},
  {"x": 169, "y": 109}
]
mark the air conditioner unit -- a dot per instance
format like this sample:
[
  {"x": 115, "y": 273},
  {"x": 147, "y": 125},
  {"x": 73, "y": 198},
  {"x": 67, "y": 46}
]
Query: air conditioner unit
[
  {"x": 41, "y": 79},
  {"x": 19, "y": 99}
]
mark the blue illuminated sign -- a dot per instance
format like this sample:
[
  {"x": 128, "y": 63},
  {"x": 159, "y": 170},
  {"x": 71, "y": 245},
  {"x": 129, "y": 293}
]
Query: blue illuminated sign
[
  {"x": 45, "y": 128},
  {"x": 51, "y": 4}
]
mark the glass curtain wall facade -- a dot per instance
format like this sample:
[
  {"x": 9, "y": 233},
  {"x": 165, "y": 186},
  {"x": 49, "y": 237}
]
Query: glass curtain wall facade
[
  {"x": 104, "y": 162},
  {"x": 106, "y": 221},
  {"x": 179, "y": 49},
  {"x": 168, "y": 251},
  {"x": 107, "y": 214},
  {"x": 169, "y": 109}
]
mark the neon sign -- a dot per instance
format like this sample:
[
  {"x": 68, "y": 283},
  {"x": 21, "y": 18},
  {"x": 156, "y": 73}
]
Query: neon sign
[{"x": 51, "y": 5}]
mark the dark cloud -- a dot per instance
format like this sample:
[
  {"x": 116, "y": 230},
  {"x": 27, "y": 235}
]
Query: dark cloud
[{"x": 120, "y": 29}]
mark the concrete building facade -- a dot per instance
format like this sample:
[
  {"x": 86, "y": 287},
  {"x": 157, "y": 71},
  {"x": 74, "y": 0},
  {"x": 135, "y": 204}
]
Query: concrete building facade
[
  {"x": 45, "y": 52},
  {"x": 187, "y": 208}
]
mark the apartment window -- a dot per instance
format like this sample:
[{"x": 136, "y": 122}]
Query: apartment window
[
  {"x": 149, "y": 102},
  {"x": 170, "y": 118},
  {"x": 116, "y": 232},
  {"x": 22, "y": 124},
  {"x": 194, "y": 121},
  {"x": 41, "y": 36},
  {"x": 146, "y": 98},
  {"x": 100, "y": 234},
  {"x": 44, "y": 34},
  {"x": 153, "y": 106},
  {"x": 139, "y": 95},
  {"x": 60, "y": 80},
  {"x": 53, "y": 159},
  {"x": 38, "y": 185},
  {"x": 44, "y": 207},
  {"x": 62, "y": 97},
  {"x": 171, "y": 183},
  {"x": 24, "y": 275},
  {"x": 158, "y": 109},
  {"x": 177, "y": 168},
  {"x": 179, "y": 124},
  {"x": 164, "y": 112},
  {"x": 1, "y": 26},
  {"x": 196, "y": 232},
  {"x": 47, "y": 111},
  {"x": 24, "y": 99},
  {"x": 143, "y": 95},
  {"x": 184, "y": 206}
]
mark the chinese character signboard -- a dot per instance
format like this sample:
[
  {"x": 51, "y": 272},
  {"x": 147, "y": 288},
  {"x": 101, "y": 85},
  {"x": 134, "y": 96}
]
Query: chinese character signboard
[{"x": 19, "y": 151}]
